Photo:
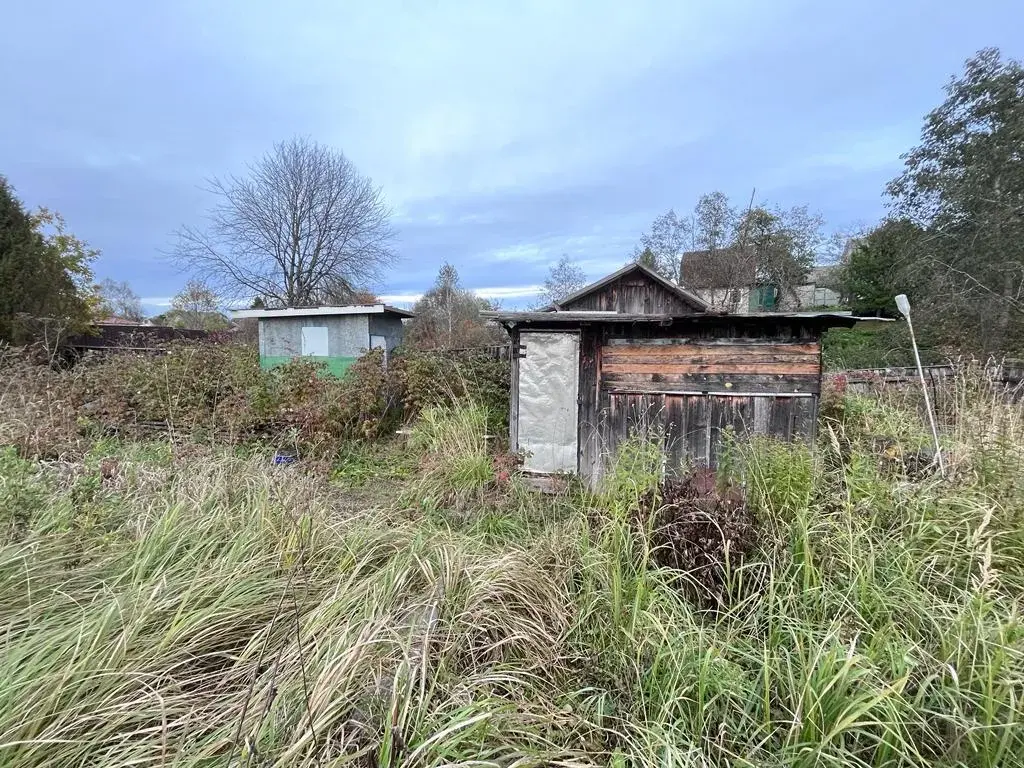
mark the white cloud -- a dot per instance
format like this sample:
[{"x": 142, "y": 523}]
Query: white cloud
[
  {"x": 508, "y": 292},
  {"x": 452, "y": 99},
  {"x": 401, "y": 299},
  {"x": 498, "y": 292}
]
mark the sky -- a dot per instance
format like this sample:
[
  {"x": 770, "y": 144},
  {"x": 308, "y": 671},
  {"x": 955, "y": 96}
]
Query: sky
[{"x": 503, "y": 134}]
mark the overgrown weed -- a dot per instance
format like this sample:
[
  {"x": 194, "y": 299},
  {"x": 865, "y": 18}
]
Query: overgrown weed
[{"x": 186, "y": 604}]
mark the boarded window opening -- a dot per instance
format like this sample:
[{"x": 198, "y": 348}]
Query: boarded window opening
[{"x": 314, "y": 340}]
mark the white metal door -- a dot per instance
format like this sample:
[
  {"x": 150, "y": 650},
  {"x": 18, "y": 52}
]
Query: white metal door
[
  {"x": 378, "y": 342},
  {"x": 314, "y": 340},
  {"x": 548, "y": 406}
]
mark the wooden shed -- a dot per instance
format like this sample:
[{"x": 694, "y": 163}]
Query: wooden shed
[{"x": 634, "y": 351}]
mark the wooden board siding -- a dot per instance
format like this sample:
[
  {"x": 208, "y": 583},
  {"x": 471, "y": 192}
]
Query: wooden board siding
[
  {"x": 689, "y": 384},
  {"x": 768, "y": 366},
  {"x": 691, "y": 428},
  {"x": 589, "y": 398},
  {"x": 634, "y": 295}
]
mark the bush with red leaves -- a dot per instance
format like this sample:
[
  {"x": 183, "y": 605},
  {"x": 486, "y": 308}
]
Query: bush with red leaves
[{"x": 700, "y": 532}]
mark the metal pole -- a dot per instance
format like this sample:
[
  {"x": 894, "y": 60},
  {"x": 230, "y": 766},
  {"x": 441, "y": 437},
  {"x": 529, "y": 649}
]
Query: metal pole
[{"x": 904, "y": 308}]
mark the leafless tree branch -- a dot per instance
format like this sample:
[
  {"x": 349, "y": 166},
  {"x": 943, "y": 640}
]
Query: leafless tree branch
[{"x": 302, "y": 222}]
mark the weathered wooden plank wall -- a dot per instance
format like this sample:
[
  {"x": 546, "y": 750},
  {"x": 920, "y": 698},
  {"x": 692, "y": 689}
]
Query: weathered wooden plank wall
[
  {"x": 688, "y": 389},
  {"x": 743, "y": 366},
  {"x": 633, "y": 295},
  {"x": 589, "y": 399},
  {"x": 692, "y": 427}
]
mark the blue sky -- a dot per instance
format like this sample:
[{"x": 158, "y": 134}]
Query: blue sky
[{"x": 504, "y": 134}]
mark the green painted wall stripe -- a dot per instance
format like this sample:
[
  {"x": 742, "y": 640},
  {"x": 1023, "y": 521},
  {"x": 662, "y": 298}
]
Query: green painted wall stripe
[{"x": 336, "y": 366}]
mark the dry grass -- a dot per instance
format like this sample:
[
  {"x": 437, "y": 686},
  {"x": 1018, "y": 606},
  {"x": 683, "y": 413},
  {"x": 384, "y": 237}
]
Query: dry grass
[{"x": 194, "y": 609}]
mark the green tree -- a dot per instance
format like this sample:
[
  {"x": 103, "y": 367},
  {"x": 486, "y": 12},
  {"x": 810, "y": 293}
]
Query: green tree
[
  {"x": 46, "y": 287},
  {"x": 663, "y": 246},
  {"x": 730, "y": 249},
  {"x": 448, "y": 316},
  {"x": 646, "y": 258},
  {"x": 964, "y": 186},
  {"x": 879, "y": 266},
  {"x": 714, "y": 221},
  {"x": 783, "y": 245}
]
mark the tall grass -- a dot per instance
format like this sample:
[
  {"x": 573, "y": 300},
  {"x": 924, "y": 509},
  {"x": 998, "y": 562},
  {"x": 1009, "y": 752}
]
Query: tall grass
[{"x": 196, "y": 610}]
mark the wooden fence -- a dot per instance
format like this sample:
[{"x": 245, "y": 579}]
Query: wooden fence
[
  {"x": 946, "y": 383},
  {"x": 1009, "y": 374}
]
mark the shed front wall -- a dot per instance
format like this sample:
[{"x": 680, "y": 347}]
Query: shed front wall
[
  {"x": 688, "y": 384},
  {"x": 388, "y": 326},
  {"x": 348, "y": 337}
]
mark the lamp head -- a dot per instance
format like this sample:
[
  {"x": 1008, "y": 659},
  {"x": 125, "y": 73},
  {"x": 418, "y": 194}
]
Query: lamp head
[{"x": 903, "y": 305}]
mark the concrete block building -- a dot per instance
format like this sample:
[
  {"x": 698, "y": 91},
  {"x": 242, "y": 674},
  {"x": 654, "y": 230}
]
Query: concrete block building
[{"x": 336, "y": 336}]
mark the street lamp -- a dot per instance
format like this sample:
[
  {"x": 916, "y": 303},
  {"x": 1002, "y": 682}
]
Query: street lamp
[{"x": 903, "y": 305}]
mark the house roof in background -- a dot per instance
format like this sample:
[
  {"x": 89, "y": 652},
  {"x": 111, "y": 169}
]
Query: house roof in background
[
  {"x": 687, "y": 296},
  {"x": 352, "y": 309}
]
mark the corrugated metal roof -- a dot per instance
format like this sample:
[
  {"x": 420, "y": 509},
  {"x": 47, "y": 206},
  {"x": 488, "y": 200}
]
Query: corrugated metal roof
[
  {"x": 842, "y": 318},
  {"x": 353, "y": 309}
]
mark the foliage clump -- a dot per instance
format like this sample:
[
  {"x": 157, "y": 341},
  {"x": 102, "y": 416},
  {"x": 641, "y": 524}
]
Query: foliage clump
[{"x": 700, "y": 532}]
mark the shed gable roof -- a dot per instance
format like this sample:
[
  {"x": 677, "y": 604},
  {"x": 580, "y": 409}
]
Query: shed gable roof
[{"x": 578, "y": 300}]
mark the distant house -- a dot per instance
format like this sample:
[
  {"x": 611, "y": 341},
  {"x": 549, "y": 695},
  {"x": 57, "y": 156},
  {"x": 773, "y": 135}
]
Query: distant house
[
  {"x": 820, "y": 289},
  {"x": 726, "y": 279},
  {"x": 336, "y": 336}
]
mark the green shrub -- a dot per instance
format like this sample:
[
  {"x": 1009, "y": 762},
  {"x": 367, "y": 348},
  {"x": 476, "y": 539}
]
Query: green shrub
[
  {"x": 438, "y": 379},
  {"x": 22, "y": 494},
  {"x": 218, "y": 392},
  {"x": 874, "y": 345}
]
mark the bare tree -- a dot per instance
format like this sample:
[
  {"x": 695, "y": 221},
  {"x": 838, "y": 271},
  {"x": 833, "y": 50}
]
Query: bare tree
[
  {"x": 194, "y": 306},
  {"x": 448, "y": 316},
  {"x": 564, "y": 279},
  {"x": 662, "y": 247},
  {"x": 117, "y": 298},
  {"x": 301, "y": 224}
]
